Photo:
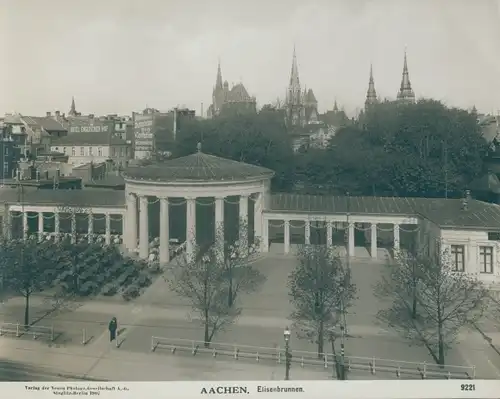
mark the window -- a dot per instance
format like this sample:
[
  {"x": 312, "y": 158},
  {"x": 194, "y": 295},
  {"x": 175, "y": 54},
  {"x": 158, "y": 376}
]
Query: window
[
  {"x": 6, "y": 150},
  {"x": 64, "y": 150},
  {"x": 5, "y": 168},
  {"x": 99, "y": 151},
  {"x": 73, "y": 151},
  {"x": 90, "y": 151},
  {"x": 122, "y": 151},
  {"x": 458, "y": 257},
  {"x": 486, "y": 259},
  {"x": 494, "y": 236},
  {"x": 113, "y": 152},
  {"x": 82, "y": 151}
]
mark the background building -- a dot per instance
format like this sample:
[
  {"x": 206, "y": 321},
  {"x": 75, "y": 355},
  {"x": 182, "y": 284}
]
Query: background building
[{"x": 230, "y": 101}]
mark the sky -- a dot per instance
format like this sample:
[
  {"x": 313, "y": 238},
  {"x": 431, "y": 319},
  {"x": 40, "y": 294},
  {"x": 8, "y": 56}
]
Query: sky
[{"x": 119, "y": 56}]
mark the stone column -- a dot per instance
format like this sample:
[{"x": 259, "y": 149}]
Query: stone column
[
  {"x": 40, "y": 226},
  {"x": 243, "y": 228},
  {"x": 164, "y": 231},
  {"x": 329, "y": 234},
  {"x": 25, "y": 225},
  {"x": 286, "y": 236},
  {"x": 350, "y": 241},
  {"x": 190, "y": 226},
  {"x": 219, "y": 227},
  {"x": 373, "y": 240},
  {"x": 57, "y": 226},
  {"x": 143, "y": 227},
  {"x": 264, "y": 243},
  {"x": 307, "y": 232},
  {"x": 257, "y": 217},
  {"x": 90, "y": 231},
  {"x": 130, "y": 232},
  {"x": 73, "y": 227},
  {"x": 396, "y": 237},
  {"x": 108, "y": 229}
]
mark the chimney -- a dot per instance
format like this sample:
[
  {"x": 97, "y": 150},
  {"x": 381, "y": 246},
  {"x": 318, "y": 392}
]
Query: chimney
[
  {"x": 58, "y": 114},
  {"x": 48, "y": 113},
  {"x": 466, "y": 199}
]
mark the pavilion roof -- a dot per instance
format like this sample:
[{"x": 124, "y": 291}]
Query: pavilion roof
[
  {"x": 441, "y": 211},
  {"x": 198, "y": 167}
]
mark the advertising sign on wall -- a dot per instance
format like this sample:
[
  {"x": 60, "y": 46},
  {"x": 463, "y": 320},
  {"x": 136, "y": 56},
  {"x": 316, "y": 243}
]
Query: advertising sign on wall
[
  {"x": 143, "y": 135},
  {"x": 90, "y": 127}
]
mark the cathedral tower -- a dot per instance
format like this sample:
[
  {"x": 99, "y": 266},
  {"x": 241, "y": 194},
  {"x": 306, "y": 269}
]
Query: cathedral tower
[
  {"x": 371, "y": 94},
  {"x": 406, "y": 93}
]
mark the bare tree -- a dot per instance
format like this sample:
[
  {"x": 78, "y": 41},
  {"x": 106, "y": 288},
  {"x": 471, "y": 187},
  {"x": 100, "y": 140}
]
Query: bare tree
[
  {"x": 321, "y": 291},
  {"x": 401, "y": 280},
  {"x": 23, "y": 264},
  {"x": 236, "y": 259},
  {"x": 446, "y": 300},
  {"x": 202, "y": 280}
]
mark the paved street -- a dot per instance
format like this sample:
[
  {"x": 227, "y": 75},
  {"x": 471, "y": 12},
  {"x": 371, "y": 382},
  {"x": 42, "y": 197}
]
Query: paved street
[{"x": 160, "y": 313}]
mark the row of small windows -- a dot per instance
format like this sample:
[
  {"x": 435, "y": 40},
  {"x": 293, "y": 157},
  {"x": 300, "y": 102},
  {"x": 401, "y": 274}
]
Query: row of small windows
[
  {"x": 485, "y": 258},
  {"x": 115, "y": 152}
]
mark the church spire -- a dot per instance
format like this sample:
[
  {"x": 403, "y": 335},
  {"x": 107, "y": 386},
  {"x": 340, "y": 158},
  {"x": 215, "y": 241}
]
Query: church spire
[
  {"x": 294, "y": 93},
  {"x": 371, "y": 94},
  {"x": 335, "y": 106},
  {"x": 405, "y": 92},
  {"x": 72, "y": 111},
  {"x": 218, "y": 82}
]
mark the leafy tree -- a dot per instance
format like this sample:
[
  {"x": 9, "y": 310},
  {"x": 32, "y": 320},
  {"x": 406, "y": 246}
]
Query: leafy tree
[
  {"x": 321, "y": 291},
  {"x": 23, "y": 265},
  {"x": 430, "y": 301},
  {"x": 259, "y": 139},
  {"x": 408, "y": 150}
]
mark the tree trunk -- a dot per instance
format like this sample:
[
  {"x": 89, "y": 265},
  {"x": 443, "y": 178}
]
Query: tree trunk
[
  {"x": 206, "y": 341},
  {"x": 414, "y": 307},
  {"x": 27, "y": 311},
  {"x": 320, "y": 339},
  {"x": 440, "y": 346},
  {"x": 230, "y": 293},
  {"x": 336, "y": 363}
]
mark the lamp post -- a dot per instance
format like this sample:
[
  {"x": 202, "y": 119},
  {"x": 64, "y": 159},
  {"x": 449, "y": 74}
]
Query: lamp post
[{"x": 286, "y": 335}]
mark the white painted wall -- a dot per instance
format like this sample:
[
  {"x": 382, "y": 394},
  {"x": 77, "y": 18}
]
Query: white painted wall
[{"x": 472, "y": 241}]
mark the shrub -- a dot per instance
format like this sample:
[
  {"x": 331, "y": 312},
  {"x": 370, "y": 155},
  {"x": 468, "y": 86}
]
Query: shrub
[
  {"x": 109, "y": 290},
  {"x": 143, "y": 280},
  {"x": 131, "y": 292}
]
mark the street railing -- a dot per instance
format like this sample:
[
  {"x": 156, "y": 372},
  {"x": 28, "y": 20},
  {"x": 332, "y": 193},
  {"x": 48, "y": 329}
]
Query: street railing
[
  {"x": 277, "y": 354},
  {"x": 18, "y": 330}
]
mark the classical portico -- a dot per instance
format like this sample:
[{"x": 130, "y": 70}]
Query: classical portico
[{"x": 187, "y": 180}]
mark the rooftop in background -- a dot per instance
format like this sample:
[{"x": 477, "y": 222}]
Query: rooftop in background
[
  {"x": 89, "y": 138},
  {"x": 85, "y": 198},
  {"x": 198, "y": 167},
  {"x": 443, "y": 212},
  {"x": 111, "y": 181},
  {"x": 43, "y": 183}
]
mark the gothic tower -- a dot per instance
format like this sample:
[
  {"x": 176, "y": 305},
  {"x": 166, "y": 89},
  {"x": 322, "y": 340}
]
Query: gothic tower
[
  {"x": 406, "y": 93},
  {"x": 371, "y": 94},
  {"x": 72, "y": 111},
  {"x": 294, "y": 105}
]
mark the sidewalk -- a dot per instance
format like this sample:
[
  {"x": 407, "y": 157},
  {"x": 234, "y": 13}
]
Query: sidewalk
[{"x": 115, "y": 364}]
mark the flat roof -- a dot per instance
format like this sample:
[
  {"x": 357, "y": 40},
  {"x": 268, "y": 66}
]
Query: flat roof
[
  {"x": 87, "y": 197},
  {"x": 447, "y": 213}
]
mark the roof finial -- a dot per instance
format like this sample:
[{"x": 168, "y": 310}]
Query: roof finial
[{"x": 198, "y": 147}]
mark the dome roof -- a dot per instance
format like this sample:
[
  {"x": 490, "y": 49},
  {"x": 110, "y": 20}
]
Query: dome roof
[{"x": 198, "y": 167}]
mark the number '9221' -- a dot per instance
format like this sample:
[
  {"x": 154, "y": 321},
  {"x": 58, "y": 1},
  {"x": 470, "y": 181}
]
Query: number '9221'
[{"x": 467, "y": 387}]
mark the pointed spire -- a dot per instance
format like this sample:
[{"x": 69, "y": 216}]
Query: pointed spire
[
  {"x": 72, "y": 111},
  {"x": 335, "y": 106},
  {"x": 218, "y": 82},
  {"x": 405, "y": 92},
  {"x": 371, "y": 94},
  {"x": 294, "y": 76}
]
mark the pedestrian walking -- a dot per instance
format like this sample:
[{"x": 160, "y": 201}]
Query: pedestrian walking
[{"x": 113, "y": 326}]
